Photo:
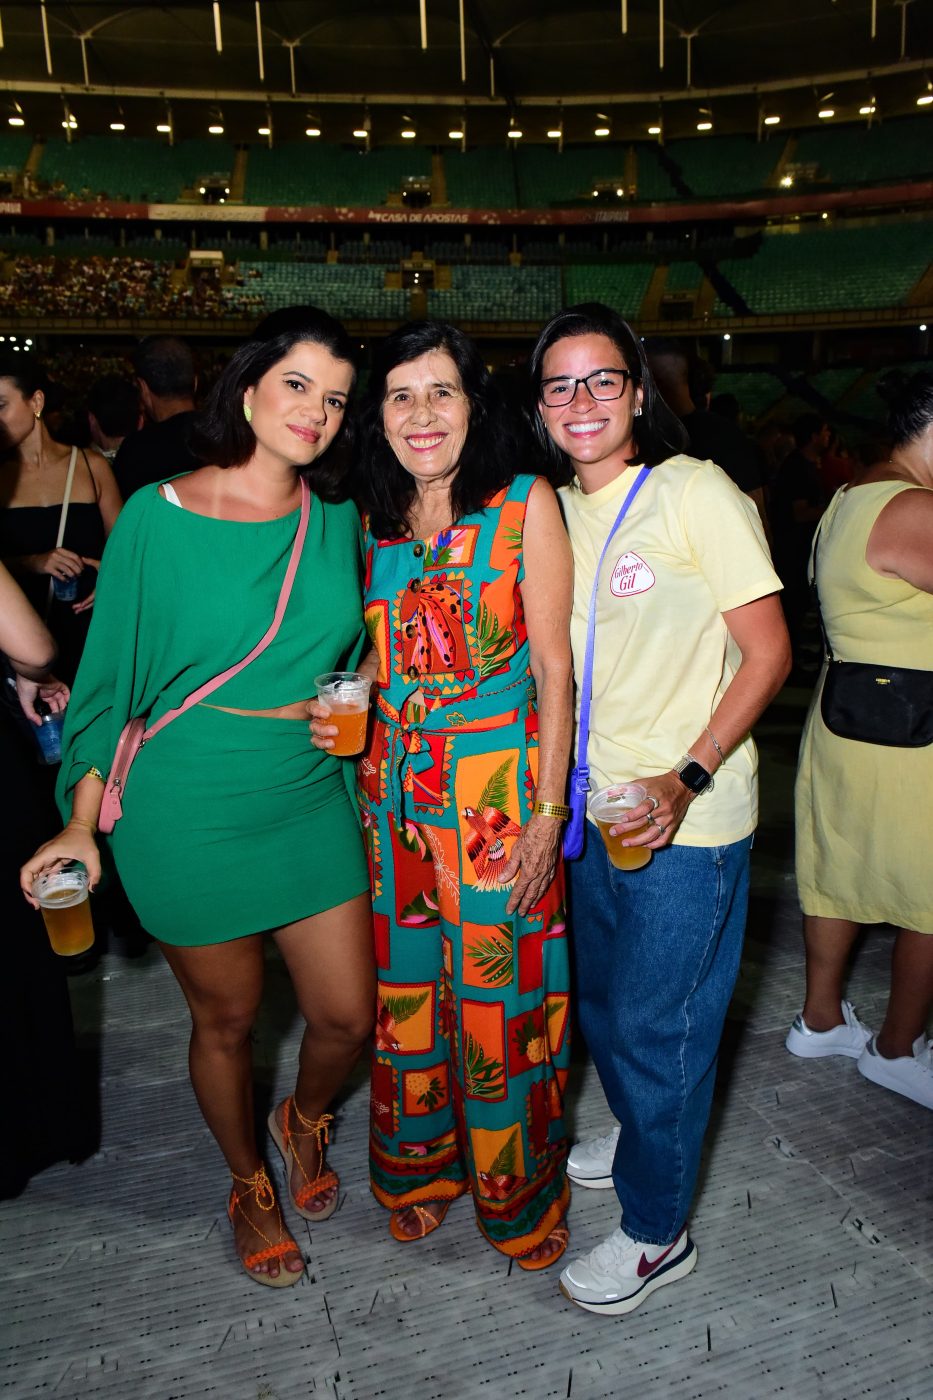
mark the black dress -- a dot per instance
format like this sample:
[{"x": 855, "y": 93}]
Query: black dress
[
  {"x": 34, "y": 530},
  {"x": 45, "y": 1110}
]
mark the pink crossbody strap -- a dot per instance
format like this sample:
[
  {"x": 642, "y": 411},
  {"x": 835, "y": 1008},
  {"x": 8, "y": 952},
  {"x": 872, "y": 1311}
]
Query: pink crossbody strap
[{"x": 209, "y": 687}]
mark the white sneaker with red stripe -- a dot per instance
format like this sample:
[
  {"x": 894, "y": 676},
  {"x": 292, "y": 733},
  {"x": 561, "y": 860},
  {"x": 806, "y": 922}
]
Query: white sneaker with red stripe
[{"x": 620, "y": 1273}]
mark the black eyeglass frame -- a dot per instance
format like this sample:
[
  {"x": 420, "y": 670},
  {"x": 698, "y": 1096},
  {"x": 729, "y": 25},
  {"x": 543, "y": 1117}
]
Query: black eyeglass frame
[{"x": 627, "y": 377}]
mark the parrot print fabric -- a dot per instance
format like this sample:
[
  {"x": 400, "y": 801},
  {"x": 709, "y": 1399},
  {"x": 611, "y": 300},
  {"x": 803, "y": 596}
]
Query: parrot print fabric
[{"x": 472, "y": 1036}]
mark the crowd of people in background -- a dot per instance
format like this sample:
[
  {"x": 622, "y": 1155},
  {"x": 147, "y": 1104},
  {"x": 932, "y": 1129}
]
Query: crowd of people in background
[{"x": 107, "y": 288}]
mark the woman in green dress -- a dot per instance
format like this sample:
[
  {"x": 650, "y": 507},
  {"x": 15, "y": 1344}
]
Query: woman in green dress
[{"x": 233, "y": 824}]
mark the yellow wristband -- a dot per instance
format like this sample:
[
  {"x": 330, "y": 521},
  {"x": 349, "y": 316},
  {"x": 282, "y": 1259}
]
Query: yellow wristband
[{"x": 551, "y": 809}]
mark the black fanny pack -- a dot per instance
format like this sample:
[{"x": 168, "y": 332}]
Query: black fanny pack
[{"x": 890, "y": 705}]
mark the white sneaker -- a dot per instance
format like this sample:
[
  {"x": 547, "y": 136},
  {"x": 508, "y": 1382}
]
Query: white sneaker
[
  {"x": 590, "y": 1162},
  {"x": 621, "y": 1272},
  {"x": 910, "y": 1075},
  {"x": 848, "y": 1039}
]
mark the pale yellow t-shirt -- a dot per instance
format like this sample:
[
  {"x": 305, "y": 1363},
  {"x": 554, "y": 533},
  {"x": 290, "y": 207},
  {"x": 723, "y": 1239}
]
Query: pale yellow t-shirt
[{"x": 690, "y": 548}]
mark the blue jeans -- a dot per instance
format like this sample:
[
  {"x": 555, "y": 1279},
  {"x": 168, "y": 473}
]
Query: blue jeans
[{"x": 657, "y": 953}]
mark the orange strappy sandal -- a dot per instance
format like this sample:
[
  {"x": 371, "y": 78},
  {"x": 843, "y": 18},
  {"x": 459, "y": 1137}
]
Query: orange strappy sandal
[
  {"x": 259, "y": 1185},
  {"x": 561, "y": 1236},
  {"x": 282, "y": 1137},
  {"x": 427, "y": 1220}
]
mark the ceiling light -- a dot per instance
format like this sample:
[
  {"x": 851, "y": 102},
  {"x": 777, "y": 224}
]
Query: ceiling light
[
  {"x": 704, "y": 126},
  {"x": 826, "y": 112},
  {"x": 264, "y": 131},
  {"x": 601, "y": 131},
  {"x": 360, "y": 132},
  {"x": 117, "y": 126},
  {"x": 312, "y": 131},
  {"x": 165, "y": 128},
  {"x": 824, "y": 215},
  {"x": 786, "y": 181},
  {"x": 867, "y": 111},
  {"x": 16, "y": 121},
  {"x": 515, "y": 133},
  {"x": 772, "y": 121},
  {"x": 596, "y": 194},
  {"x": 923, "y": 325},
  {"x": 202, "y": 189},
  {"x": 620, "y": 192},
  {"x": 654, "y": 131},
  {"x": 925, "y": 100},
  {"x": 727, "y": 336},
  {"x": 555, "y": 133},
  {"x": 408, "y": 133},
  {"x": 455, "y": 134},
  {"x": 215, "y": 130},
  {"x": 70, "y": 123}
]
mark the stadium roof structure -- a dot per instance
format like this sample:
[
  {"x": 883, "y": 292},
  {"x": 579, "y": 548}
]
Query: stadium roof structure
[{"x": 617, "y": 65}]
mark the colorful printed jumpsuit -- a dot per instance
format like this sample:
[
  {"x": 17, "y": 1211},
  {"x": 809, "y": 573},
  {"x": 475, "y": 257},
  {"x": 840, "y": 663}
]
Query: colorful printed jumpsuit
[{"x": 472, "y": 1037}]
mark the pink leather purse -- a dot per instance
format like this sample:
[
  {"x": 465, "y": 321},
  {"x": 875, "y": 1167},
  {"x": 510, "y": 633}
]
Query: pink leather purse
[{"x": 135, "y": 733}]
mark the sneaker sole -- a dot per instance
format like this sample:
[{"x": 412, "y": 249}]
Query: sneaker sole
[
  {"x": 804, "y": 1049},
  {"x": 669, "y": 1274},
  {"x": 597, "y": 1183}
]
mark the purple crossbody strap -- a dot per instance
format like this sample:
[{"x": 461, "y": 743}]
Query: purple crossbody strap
[
  {"x": 586, "y": 689},
  {"x": 210, "y": 686}
]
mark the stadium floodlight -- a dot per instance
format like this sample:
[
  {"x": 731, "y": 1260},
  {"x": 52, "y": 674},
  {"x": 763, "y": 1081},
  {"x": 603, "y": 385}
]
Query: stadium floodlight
[
  {"x": 164, "y": 128},
  {"x": 408, "y": 133},
  {"x": 922, "y": 326},
  {"x": 215, "y": 129},
  {"x": 868, "y": 110},
  {"x": 555, "y": 133},
  {"x": 925, "y": 99},
  {"x": 264, "y": 131},
  {"x": 455, "y": 133},
  {"x": 704, "y": 126},
  {"x": 118, "y": 126},
  {"x": 786, "y": 181},
  {"x": 825, "y": 113},
  {"x": 604, "y": 125},
  {"x": 514, "y": 132},
  {"x": 773, "y": 120},
  {"x": 360, "y": 133},
  {"x": 312, "y": 131},
  {"x": 70, "y": 123},
  {"x": 16, "y": 120},
  {"x": 727, "y": 336},
  {"x": 654, "y": 130}
]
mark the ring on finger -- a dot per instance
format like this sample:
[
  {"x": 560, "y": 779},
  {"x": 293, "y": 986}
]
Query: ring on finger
[
  {"x": 661, "y": 828},
  {"x": 656, "y": 801}
]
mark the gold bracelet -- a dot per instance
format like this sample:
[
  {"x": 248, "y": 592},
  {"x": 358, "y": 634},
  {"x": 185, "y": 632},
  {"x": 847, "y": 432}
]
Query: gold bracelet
[
  {"x": 95, "y": 773},
  {"x": 551, "y": 809},
  {"x": 715, "y": 743}
]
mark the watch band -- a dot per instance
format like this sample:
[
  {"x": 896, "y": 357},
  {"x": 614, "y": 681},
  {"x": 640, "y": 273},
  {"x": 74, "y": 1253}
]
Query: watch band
[{"x": 551, "y": 809}]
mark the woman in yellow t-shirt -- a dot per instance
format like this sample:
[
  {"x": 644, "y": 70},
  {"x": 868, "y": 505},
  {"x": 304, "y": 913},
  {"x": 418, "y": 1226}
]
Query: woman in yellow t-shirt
[{"x": 690, "y": 646}]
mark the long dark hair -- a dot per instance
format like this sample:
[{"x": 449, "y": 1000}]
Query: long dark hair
[
  {"x": 26, "y": 372},
  {"x": 659, "y": 433},
  {"x": 489, "y": 460},
  {"x": 222, "y": 435}
]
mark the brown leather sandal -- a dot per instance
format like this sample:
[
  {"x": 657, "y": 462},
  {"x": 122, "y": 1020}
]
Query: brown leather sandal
[
  {"x": 259, "y": 1185},
  {"x": 561, "y": 1236},
  {"x": 427, "y": 1220},
  {"x": 325, "y": 1180}
]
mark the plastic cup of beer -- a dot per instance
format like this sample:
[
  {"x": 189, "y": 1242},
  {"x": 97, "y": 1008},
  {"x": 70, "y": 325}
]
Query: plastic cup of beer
[
  {"x": 346, "y": 695},
  {"x": 609, "y": 806},
  {"x": 62, "y": 896}
]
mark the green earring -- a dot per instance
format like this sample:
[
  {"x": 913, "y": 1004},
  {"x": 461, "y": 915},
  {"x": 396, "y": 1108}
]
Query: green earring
[{"x": 247, "y": 413}]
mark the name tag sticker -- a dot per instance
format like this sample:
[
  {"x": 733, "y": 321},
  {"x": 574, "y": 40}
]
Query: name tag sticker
[{"x": 631, "y": 575}]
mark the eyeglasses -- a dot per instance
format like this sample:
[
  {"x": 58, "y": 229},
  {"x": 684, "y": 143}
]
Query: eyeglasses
[{"x": 601, "y": 385}]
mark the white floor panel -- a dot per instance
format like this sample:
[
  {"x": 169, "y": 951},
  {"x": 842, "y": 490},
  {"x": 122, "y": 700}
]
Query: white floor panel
[{"x": 813, "y": 1224}]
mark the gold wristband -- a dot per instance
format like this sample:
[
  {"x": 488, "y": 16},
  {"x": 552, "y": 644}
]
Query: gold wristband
[
  {"x": 551, "y": 809},
  {"x": 95, "y": 773}
]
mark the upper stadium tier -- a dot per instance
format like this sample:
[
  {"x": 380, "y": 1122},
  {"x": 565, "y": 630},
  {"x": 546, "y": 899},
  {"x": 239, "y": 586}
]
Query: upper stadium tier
[{"x": 529, "y": 177}]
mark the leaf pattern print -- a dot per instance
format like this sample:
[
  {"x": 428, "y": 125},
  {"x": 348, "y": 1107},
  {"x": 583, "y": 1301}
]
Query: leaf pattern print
[
  {"x": 402, "y": 1008},
  {"x": 504, "y": 1160},
  {"x": 494, "y": 956},
  {"x": 496, "y": 792},
  {"x": 484, "y": 1077},
  {"x": 494, "y": 640}
]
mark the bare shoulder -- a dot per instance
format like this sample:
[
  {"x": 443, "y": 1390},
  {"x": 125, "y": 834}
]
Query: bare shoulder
[{"x": 899, "y": 545}]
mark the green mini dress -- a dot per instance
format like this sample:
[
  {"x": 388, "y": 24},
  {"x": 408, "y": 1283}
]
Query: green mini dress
[{"x": 232, "y": 824}]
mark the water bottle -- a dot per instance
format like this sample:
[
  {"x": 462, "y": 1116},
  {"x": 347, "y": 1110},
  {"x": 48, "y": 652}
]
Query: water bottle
[{"x": 49, "y": 734}]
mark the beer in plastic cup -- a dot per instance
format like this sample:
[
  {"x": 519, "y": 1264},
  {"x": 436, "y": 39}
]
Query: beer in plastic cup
[
  {"x": 608, "y": 806},
  {"x": 346, "y": 695},
  {"x": 62, "y": 896}
]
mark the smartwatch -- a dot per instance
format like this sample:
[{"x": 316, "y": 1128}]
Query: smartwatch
[{"x": 693, "y": 775}]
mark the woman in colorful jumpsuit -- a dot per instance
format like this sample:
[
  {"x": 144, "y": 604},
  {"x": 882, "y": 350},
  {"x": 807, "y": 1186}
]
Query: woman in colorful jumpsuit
[{"x": 468, "y": 588}]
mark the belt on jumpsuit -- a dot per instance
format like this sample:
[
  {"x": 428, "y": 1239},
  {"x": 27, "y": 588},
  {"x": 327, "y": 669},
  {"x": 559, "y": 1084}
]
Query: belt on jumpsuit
[{"x": 407, "y": 752}]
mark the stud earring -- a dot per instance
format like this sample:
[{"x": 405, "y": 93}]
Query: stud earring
[
  {"x": 247, "y": 413},
  {"x": 38, "y": 413},
  {"x": 637, "y": 413}
]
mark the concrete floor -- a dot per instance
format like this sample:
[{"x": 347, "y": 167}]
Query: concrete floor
[{"x": 813, "y": 1223}]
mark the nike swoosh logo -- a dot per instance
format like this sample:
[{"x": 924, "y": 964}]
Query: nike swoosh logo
[{"x": 646, "y": 1267}]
